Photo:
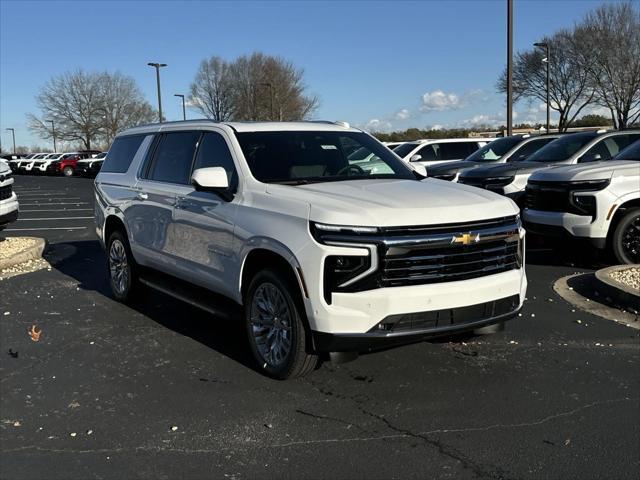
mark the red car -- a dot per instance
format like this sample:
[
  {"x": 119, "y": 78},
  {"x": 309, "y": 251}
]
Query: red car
[{"x": 67, "y": 164}]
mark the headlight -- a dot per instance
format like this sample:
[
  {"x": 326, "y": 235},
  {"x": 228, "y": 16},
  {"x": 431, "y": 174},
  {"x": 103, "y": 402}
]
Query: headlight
[
  {"x": 585, "y": 204},
  {"x": 324, "y": 233},
  {"x": 445, "y": 176},
  {"x": 589, "y": 185}
]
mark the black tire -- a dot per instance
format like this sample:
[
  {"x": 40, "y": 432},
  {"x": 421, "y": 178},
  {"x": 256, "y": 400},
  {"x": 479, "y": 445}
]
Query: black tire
[
  {"x": 127, "y": 290},
  {"x": 67, "y": 171},
  {"x": 625, "y": 242},
  {"x": 298, "y": 361}
]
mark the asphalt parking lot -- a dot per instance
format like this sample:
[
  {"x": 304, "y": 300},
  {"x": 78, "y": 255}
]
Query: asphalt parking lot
[{"x": 162, "y": 390}]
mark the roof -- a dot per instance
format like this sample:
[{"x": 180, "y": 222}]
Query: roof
[{"x": 318, "y": 125}]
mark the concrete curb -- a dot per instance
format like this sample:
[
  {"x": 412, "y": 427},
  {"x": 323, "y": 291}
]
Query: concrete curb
[
  {"x": 31, "y": 253},
  {"x": 620, "y": 294}
]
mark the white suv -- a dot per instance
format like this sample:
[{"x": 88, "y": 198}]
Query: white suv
[
  {"x": 325, "y": 256},
  {"x": 431, "y": 152},
  {"x": 8, "y": 198},
  {"x": 599, "y": 202}
]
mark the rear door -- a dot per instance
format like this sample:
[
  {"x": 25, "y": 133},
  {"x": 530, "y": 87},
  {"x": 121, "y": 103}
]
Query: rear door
[{"x": 164, "y": 177}]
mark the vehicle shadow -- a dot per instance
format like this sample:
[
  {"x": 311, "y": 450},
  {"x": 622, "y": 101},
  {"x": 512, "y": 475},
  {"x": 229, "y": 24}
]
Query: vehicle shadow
[{"x": 85, "y": 261}]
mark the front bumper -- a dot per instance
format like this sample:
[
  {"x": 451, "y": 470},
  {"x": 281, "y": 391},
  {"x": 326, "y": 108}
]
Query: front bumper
[
  {"x": 8, "y": 211},
  {"x": 563, "y": 224},
  {"x": 433, "y": 325}
]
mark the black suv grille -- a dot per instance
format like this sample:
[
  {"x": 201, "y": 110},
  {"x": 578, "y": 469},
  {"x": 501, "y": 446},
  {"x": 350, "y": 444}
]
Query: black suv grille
[
  {"x": 547, "y": 196},
  {"x": 418, "y": 255},
  {"x": 5, "y": 192},
  {"x": 494, "y": 184}
]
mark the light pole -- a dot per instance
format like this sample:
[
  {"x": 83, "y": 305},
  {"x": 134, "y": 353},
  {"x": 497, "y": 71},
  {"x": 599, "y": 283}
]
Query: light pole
[
  {"x": 157, "y": 66},
  {"x": 509, "y": 67},
  {"x": 53, "y": 132},
  {"x": 545, "y": 45},
  {"x": 13, "y": 134},
  {"x": 184, "y": 112},
  {"x": 268, "y": 84}
]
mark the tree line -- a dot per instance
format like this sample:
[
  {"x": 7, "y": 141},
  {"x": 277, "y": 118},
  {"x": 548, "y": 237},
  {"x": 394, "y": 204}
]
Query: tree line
[
  {"x": 90, "y": 108},
  {"x": 595, "y": 63}
]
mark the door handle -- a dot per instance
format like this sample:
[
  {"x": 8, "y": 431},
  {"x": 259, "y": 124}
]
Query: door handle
[{"x": 142, "y": 196}]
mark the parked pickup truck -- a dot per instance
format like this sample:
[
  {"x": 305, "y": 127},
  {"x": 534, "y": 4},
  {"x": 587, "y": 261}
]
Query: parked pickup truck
[
  {"x": 598, "y": 202},
  {"x": 325, "y": 258}
]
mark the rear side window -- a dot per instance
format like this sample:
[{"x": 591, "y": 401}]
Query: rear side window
[
  {"x": 457, "y": 151},
  {"x": 214, "y": 152},
  {"x": 121, "y": 154},
  {"x": 173, "y": 157}
]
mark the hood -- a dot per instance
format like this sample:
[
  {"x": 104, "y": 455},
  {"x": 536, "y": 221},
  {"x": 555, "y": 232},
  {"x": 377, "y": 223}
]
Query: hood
[
  {"x": 383, "y": 203},
  {"x": 589, "y": 171},
  {"x": 507, "y": 169}
]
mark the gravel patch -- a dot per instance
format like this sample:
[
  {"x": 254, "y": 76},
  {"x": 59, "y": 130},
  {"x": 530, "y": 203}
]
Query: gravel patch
[
  {"x": 14, "y": 245},
  {"x": 629, "y": 277},
  {"x": 25, "y": 267}
]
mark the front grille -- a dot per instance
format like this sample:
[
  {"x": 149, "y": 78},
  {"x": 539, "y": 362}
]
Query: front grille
[
  {"x": 418, "y": 255},
  {"x": 494, "y": 184},
  {"x": 449, "y": 317},
  {"x": 547, "y": 196},
  {"x": 421, "y": 264},
  {"x": 5, "y": 192}
]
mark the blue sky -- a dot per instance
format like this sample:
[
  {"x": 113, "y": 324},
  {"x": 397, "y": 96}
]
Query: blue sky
[{"x": 381, "y": 64}]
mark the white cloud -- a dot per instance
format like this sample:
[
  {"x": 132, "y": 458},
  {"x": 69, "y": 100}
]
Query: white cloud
[
  {"x": 437, "y": 101},
  {"x": 377, "y": 125},
  {"x": 403, "y": 114},
  {"x": 437, "y": 126}
]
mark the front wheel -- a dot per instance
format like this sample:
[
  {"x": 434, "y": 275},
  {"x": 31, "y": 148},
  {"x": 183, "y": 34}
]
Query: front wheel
[
  {"x": 276, "y": 328},
  {"x": 67, "y": 171},
  {"x": 122, "y": 268},
  {"x": 625, "y": 242}
]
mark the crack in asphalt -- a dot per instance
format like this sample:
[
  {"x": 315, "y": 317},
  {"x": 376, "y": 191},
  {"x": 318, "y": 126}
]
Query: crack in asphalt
[{"x": 333, "y": 419}]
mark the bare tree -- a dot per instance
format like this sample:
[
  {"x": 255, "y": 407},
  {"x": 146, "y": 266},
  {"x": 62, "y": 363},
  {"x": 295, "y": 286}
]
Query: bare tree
[
  {"x": 73, "y": 101},
  {"x": 569, "y": 81},
  {"x": 212, "y": 89},
  {"x": 607, "y": 43},
  {"x": 122, "y": 105},
  {"x": 252, "y": 87},
  {"x": 89, "y": 107}
]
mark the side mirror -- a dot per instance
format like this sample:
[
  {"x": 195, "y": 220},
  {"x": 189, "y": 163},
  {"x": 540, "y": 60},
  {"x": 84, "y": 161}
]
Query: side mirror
[
  {"x": 415, "y": 158},
  {"x": 421, "y": 169},
  {"x": 212, "y": 179}
]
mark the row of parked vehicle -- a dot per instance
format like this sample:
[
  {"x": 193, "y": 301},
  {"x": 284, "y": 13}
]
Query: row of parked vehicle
[{"x": 85, "y": 163}]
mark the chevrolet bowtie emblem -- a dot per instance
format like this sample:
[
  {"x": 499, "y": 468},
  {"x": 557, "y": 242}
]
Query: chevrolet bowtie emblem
[{"x": 466, "y": 238}]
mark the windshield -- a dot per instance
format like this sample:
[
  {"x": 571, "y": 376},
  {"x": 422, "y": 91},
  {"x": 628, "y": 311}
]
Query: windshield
[
  {"x": 494, "y": 150},
  {"x": 405, "y": 149},
  {"x": 310, "y": 157},
  {"x": 632, "y": 152},
  {"x": 563, "y": 148}
]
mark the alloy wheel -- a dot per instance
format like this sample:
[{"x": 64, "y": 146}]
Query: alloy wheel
[
  {"x": 271, "y": 324},
  {"x": 631, "y": 240},
  {"x": 118, "y": 266}
]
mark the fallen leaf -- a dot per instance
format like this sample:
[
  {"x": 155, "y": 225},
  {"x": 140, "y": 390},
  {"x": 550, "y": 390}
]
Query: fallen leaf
[{"x": 34, "y": 334}]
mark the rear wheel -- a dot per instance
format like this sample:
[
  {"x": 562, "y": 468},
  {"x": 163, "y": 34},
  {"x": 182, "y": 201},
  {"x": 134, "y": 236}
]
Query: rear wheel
[
  {"x": 123, "y": 276},
  {"x": 625, "y": 242},
  {"x": 275, "y": 323},
  {"x": 67, "y": 171}
]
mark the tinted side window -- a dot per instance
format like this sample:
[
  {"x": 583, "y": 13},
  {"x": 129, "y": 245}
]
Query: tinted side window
[
  {"x": 121, "y": 154},
  {"x": 214, "y": 152},
  {"x": 620, "y": 142},
  {"x": 528, "y": 148},
  {"x": 428, "y": 152},
  {"x": 456, "y": 151},
  {"x": 173, "y": 157},
  {"x": 598, "y": 152}
]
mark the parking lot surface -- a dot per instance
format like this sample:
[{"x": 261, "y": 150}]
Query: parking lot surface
[{"x": 163, "y": 390}]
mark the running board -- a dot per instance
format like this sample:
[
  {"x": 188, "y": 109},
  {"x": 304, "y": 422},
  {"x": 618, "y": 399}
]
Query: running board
[{"x": 196, "y": 296}]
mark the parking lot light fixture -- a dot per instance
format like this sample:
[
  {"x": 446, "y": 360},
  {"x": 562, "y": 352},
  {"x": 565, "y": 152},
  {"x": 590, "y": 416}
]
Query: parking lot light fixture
[
  {"x": 13, "y": 134},
  {"x": 53, "y": 133},
  {"x": 184, "y": 112},
  {"x": 158, "y": 66},
  {"x": 547, "y": 60}
]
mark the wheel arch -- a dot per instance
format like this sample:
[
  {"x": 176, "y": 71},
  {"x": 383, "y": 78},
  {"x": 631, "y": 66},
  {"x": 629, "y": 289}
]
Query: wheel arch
[{"x": 619, "y": 213}]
